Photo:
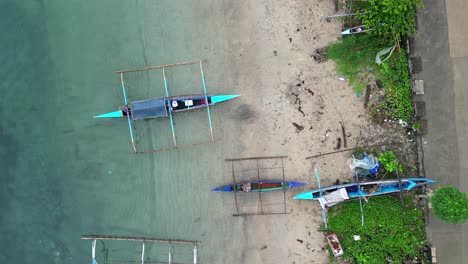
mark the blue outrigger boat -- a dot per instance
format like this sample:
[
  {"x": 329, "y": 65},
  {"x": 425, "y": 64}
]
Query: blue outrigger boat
[
  {"x": 164, "y": 107},
  {"x": 259, "y": 186},
  {"x": 364, "y": 189}
]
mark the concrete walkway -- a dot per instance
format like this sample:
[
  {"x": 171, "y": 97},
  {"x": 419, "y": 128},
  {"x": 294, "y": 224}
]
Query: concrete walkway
[{"x": 442, "y": 44}]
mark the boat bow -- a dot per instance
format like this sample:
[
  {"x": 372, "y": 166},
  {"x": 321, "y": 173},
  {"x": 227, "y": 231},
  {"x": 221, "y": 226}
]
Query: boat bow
[
  {"x": 110, "y": 114},
  {"x": 222, "y": 98}
]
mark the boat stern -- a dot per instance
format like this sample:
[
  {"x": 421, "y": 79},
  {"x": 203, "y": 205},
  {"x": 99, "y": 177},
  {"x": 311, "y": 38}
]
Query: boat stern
[
  {"x": 226, "y": 188},
  {"x": 293, "y": 184},
  {"x": 111, "y": 114}
]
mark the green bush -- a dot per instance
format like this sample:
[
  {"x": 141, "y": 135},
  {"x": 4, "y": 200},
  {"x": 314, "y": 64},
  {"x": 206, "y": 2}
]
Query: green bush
[
  {"x": 398, "y": 103},
  {"x": 352, "y": 55},
  {"x": 387, "y": 232},
  {"x": 390, "y": 19},
  {"x": 450, "y": 205},
  {"x": 388, "y": 160}
]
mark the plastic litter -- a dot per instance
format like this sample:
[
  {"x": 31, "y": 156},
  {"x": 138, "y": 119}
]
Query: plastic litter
[{"x": 366, "y": 166}]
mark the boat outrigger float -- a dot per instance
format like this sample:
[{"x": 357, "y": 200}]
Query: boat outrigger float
[{"x": 164, "y": 107}]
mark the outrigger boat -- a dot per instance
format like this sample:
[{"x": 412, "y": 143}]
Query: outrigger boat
[
  {"x": 164, "y": 107},
  {"x": 259, "y": 186},
  {"x": 355, "y": 30},
  {"x": 337, "y": 193}
]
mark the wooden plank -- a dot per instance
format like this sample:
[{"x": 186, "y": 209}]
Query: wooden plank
[
  {"x": 351, "y": 149},
  {"x": 249, "y": 214},
  {"x": 252, "y": 158}
]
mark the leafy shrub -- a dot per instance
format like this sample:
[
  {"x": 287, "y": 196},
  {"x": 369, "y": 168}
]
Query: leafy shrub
[
  {"x": 398, "y": 103},
  {"x": 387, "y": 232},
  {"x": 390, "y": 19},
  {"x": 450, "y": 205},
  {"x": 388, "y": 160}
]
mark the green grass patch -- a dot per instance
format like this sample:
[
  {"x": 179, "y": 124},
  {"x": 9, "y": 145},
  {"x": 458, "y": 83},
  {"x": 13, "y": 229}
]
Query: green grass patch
[
  {"x": 398, "y": 103},
  {"x": 353, "y": 55},
  {"x": 387, "y": 232}
]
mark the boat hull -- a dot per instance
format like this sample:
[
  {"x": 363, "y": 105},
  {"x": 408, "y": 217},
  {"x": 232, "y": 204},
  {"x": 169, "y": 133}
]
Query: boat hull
[
  {"x": 163, "y": 106},
  {"x": 366, "y": 189},
  {"x": 260, "y": 186},
  {"x": 355, "y": 30}
]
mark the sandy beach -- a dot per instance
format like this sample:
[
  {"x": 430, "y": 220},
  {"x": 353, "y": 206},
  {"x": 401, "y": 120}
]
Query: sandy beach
[{"x": 291, "y": 105}]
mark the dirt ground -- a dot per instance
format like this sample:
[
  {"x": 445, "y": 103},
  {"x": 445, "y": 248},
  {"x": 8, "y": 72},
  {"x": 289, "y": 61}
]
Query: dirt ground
[{"x": 301, "y": 107}]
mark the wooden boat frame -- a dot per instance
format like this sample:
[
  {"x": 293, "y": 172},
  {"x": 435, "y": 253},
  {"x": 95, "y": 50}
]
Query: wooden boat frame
[
  {"x": 129, "y": 119},
  {"x": 259, "y": 194},
  {"x": 143, "y": 240}
]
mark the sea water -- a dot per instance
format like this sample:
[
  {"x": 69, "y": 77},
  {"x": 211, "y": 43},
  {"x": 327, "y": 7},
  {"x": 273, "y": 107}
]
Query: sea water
[{"x": 66, "y": 174}]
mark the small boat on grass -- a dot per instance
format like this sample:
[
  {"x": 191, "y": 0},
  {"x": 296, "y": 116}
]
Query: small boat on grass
[
  {"x": 355, "y": 30},
  {"x": 259, "y": 186},
  {"x": 337, "y": 193}
]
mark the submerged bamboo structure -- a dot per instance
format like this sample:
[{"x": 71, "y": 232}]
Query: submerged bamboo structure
[{"x": 144, "y": 240}]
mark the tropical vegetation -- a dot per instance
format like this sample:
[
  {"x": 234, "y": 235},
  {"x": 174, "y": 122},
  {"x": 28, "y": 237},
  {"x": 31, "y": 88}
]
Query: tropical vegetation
[
  {"x": 450, "y": 205},
  {"x": 392, "y": 232}
]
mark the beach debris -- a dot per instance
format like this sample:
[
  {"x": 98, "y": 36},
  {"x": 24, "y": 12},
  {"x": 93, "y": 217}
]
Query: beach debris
[
  {"x": 366, "y": 99},
  {"x": 357, "y": 238},
  {"x": 326, "y": 135},
  {"x": 379, "y": 84},
  {"x": 368, "y": 165},
  {"x": 338, "y": 143},
  {"x": 378, "y": 57},
  {"x": 335, "y": 245},
  {"x": 300, "y": 241},
  {"x": 300, "y": 110},
  {"x": 341, "y": 79},
  {"x": 309, "y": 91},
  {"x": 320, "y": 55},
  {"x": 298, "y": 127},
  {"x": 345, "y": 145},
  {"x": 402, "y": 123},
  {"x": 290, "y": 39},
  {"x": 275, "y": 52}
]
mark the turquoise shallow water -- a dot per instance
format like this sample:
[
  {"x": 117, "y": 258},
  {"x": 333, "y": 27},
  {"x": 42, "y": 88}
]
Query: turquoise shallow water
[{"x": 67, "y": 174}]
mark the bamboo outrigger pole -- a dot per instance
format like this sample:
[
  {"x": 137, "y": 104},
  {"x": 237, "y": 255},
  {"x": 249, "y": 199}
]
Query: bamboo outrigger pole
[
  {"x": 161, "y": 66},
  {"x": 130, "y": 128},
  {"x": 206, "y": 99},
  {"x": 140, "y": 239},
  {"x": 170, "y": 107}
]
